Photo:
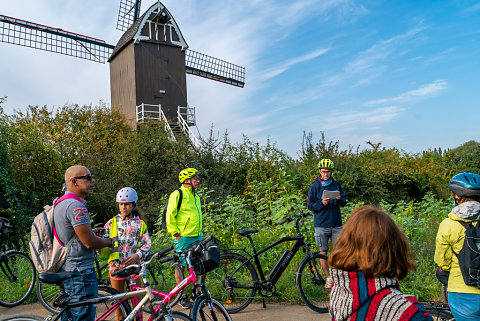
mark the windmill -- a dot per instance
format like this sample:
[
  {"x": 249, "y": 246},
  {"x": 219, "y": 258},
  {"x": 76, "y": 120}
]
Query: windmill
[{"x": 148, "y": 65}]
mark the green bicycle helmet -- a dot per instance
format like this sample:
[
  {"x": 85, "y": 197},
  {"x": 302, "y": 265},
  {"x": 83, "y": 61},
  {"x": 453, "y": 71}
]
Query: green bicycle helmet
[
  {"x": 187, "y": 173},
  {"x": 325, "y": 163}
]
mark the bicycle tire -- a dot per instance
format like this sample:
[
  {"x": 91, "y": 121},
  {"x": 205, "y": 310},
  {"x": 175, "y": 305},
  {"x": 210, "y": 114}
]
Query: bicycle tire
[
  {"x": 124, "y": 306},
  {"x": 24, "y": 317},
  {"x": 15, "y": 289},
  {"x": 444, "y": 293},
  {"x": 168, "y": 279},
  {"x": 311, "y": 284},
  {"x": 176, "y": 316},
  {"x": 440, "y": 315},
  {"x": 208, "y": 309},
  {"x": 235, "y": 291}
]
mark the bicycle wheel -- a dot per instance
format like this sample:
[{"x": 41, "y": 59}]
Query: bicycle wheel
[
  {"x": 311, "y": 284},
  {"x": 24, "y": 317},
  {"x": 47, "y": 294},
  {"x": 206, "y": 309},
  {"x": 176, "y": 316},
  {"x": 234, "y": 288},
  {"x": 164, "y": 274},
  {"x": 440, "y": 315},
  {"x": 17, "y": 278},
  {"x": 124, "y": 307}
]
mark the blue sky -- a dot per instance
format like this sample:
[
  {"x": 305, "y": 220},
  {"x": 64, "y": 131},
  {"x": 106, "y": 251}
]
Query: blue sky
[{"x": 403, "y": 73}]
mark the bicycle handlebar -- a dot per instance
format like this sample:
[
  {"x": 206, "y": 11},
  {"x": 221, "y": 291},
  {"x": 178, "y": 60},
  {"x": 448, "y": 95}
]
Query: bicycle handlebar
[
  {"x": 136, "y": 268},
  {"x": 291, "y": 218},
  {"x": 196, "y": 249}
]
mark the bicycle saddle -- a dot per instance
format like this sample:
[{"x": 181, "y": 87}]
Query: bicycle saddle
[
  {"x": 246, "y": 232},
  {"x": 55, "y": 278}
]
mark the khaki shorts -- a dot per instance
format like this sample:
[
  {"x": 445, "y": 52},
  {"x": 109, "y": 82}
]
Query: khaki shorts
[{"x": 323, "y": 234}]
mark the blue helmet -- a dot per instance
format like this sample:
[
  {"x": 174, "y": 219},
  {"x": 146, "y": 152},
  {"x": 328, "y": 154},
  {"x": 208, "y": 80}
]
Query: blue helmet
[{"x": 465, "y": 184}]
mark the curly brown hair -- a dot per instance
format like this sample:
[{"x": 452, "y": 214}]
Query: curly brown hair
[{"x": 371, "y": 242}]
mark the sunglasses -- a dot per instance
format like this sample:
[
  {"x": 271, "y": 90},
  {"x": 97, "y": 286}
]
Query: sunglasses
[{"x": 88, "y": 177}]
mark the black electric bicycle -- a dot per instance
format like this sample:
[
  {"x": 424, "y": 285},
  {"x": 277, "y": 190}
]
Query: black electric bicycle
[{"x": 237, "y": 280}]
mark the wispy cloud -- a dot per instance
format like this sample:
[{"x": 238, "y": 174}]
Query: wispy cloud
[
  {"x": 472, "y": 9},
  {"x": 277, "y": 70},
  {"x": 371, "y": 119},
  {"x": 422, "y": 92},
  {"x": 370, "y": 60}
]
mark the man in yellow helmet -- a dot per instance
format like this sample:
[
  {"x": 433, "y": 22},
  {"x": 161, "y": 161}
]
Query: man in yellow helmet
[
  {"x": 184, "y": 217},
  {"x": 327, "y": 218}
]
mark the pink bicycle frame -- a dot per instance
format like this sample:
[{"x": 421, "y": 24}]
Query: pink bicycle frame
[{"x": 190, "y": 279}]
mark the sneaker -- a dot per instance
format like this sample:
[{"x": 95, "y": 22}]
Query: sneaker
[
  {"x": 185, "y": 302},
  {"x": 328, "y": 284}
]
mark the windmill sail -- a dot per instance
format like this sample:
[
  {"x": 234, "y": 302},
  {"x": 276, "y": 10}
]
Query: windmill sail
[
  {"x": 34, "y": 35},
  {"x": 209, "y": 67},
  {"x": 128, "y": 13}
]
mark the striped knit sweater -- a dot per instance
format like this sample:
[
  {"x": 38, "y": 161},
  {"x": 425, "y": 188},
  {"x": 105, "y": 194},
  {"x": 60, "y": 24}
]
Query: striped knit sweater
[{"x": 355, "y": 298}]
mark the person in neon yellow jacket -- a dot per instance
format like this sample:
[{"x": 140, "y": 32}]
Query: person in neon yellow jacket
[
  {"x": 464, "y": 300},
  {"x": 184, "y": 223}
]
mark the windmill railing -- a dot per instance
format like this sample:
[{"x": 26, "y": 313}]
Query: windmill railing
[
  {"x": 147, "y": 112},
  {"x": 186, "y": 129},
  {"x": 188, "y": 114}
]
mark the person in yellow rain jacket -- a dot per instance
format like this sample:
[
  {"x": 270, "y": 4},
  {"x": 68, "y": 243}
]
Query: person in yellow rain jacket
[
  {"x": 184, "y": 222},
  {"x": 129, "y": 234},
  {"x": 464, "y": 300}
]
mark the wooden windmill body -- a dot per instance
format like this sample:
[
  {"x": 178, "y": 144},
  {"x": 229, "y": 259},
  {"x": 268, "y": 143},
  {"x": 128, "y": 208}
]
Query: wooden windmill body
[{"x": 148, "y": 65}]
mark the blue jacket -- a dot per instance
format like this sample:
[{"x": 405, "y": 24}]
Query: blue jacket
[{"x": 326, "y": 215}]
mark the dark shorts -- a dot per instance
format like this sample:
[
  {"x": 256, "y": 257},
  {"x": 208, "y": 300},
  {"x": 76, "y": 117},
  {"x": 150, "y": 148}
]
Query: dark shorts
[{"x": 323, "y": 234}]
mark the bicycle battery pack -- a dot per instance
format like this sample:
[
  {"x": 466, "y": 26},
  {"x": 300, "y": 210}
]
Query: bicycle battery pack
[{"x": 280, "y": 266}]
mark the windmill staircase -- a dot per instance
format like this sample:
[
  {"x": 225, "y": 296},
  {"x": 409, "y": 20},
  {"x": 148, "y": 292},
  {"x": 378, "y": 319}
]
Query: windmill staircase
[{"x": 176, "y": 128}]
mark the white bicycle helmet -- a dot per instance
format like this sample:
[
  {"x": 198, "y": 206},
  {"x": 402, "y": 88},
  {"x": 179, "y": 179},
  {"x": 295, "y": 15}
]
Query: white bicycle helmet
[{"x": 127, "y": 195}]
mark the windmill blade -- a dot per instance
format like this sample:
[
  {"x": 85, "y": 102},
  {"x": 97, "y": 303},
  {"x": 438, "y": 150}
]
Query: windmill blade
[
  {"x": 213, "y": 68},
  {"x": 128, "y": 13},
  {"x": 34, "y": 35}
]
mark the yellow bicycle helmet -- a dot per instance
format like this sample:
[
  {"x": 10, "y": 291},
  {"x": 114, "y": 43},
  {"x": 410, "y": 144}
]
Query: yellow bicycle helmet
[
  {"x": 325, "y": 163},
  {"x": 187, "y": 173}
]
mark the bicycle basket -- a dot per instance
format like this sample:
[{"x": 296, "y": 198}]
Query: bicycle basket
[
  {"x": 4, "y": 225},
  {"x": 208, "y": 259}
]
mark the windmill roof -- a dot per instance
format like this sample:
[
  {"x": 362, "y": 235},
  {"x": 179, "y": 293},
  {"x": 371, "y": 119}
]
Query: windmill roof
[
  {"x": 127, "y": 37},
  {"x": 134, "y": 32}
]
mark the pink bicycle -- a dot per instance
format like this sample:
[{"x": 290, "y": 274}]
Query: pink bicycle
[{"x": 204, "y": 308}]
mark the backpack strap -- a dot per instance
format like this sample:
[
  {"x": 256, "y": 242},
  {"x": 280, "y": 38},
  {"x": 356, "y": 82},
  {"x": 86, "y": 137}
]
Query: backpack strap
[
  {"x": 466, "y": 225},
  {"x": 64, "y": 197},
  {"x": 180, "y": 197},
  {"x": 68, "y": 195}
]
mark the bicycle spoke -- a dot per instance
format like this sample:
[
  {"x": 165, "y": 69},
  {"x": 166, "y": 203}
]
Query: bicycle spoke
[
  {"x": 234, "y": 291},
  {"x": 18, "y": 280},
  {"x": 311, "y": 285}
]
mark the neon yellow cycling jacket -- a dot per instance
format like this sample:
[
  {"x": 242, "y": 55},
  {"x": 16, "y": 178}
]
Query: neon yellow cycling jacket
[{"x": 187, "y": 221}]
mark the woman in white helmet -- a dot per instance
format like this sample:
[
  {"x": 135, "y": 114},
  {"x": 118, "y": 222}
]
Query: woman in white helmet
[{"x": 129, "y": 233}]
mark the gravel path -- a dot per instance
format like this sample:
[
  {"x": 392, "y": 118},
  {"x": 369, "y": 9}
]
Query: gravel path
[{"x": 254, "y": 312}]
